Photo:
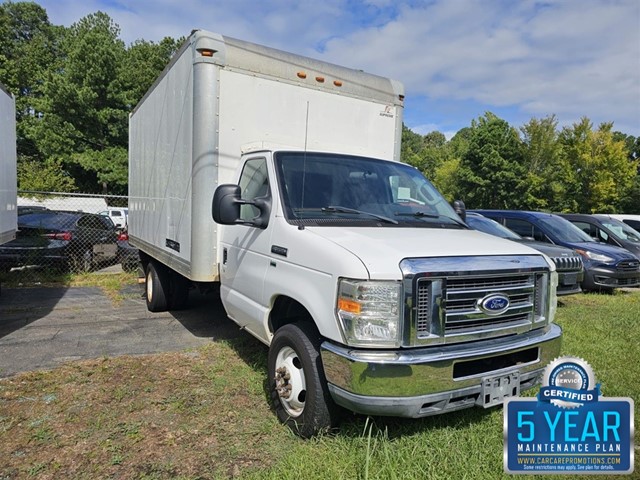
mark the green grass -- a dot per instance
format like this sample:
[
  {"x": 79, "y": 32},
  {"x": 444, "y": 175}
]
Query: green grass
[
  {"x": 204, "y": 414},
  {"x": 111, "y": 284}
]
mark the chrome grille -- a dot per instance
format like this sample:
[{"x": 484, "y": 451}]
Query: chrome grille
[
  {"x": 460, "y": 310},
  {"x": 567, "y": 264},
  {"x": 423, "y": 314},
  {"x": 462, "y": 299}
]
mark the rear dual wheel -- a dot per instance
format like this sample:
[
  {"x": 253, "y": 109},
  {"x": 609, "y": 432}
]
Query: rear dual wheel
[{"x": 164, "y": 288}]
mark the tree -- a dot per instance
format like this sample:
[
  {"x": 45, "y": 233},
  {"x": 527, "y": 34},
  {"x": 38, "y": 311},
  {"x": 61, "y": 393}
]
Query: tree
[
  {"x": 141, "y": 65},
  {"x": 632, "y": 144},
  {"x": 548, "y": 172},
  {"x": 29, "y": 46},
  {"x": 491, "y": 171},
  {"x": 47, "y": 176},
  {"x": 603, "y": 174}
]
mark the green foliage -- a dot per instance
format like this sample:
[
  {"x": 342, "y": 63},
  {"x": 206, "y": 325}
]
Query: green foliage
[
  {"x": 74, "y": 90},
  {"x": 548, "y": 173},
  {"x": 446, "y": 179},
  {"x": 492, "y": 174},
  {"x": 603, "y": 172},
  {"x": 493, "y": 165},
  {"x": 47, "y": 176}
]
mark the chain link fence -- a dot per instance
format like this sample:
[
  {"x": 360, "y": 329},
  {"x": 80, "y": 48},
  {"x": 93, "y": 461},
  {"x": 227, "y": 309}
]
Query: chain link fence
[{"x": 62, "y": 233}]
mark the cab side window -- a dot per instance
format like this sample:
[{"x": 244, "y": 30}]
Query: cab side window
[{"x": 254, "y": 183}]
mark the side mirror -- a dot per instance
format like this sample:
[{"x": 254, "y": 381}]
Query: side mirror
[
  {"x": 461, "y": 209},
  {"x": 225, "y": 207}
]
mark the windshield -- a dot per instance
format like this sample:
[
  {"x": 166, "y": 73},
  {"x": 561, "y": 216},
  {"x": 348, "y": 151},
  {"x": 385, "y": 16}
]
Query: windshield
[
  {"x": 622, "y": 230},
  {"x": 564, "y": 230},
  {"x": 330, "y": 189},
  {"x": 491, "y": 227}
]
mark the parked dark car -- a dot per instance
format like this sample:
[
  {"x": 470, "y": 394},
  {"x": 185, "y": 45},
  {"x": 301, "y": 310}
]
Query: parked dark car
[
  {"x": 605, "y": 229},
  {"x": 128, "y": 255},
  {"x": 568, "y": 262},
  {"x": 65, "y": 240},
  {"x": 606, "y": 266}
]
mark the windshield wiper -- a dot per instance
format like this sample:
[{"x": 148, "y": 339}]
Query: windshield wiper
[
  {"x": 339, "y": 209},
  {"x": 421, "y": 214}
]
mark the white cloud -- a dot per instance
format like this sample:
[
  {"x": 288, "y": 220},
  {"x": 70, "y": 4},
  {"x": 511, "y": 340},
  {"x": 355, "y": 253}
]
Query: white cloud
[{"x": 573, "y": 57}]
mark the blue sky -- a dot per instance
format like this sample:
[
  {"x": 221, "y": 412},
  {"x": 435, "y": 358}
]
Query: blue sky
[{"x": 457, "y": 58}]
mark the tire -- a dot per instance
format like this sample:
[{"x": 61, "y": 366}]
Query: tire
[
  {"x": 156, "y": 287},
  {"x": 297, "y": 385},
  {"x": 82, "y": 263},
  {"x": 179, "y": 292}
]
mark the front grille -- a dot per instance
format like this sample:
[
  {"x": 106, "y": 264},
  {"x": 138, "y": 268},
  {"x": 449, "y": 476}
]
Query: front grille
[
  {"x": 628, "y": 266},
  {"x": 568, "y": 264},
  {"x": 460, "y": 311},
  {"x": 461, "y": 299}
]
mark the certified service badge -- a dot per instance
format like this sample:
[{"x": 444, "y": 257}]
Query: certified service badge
[
  {"x": 570, "y": 428},
  {"x": 569, "y": 382}
]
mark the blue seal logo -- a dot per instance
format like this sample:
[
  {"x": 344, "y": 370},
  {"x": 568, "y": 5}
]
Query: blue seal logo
[
  {"x": 569, "y": 382},
  {"x": 494, "y": 304}
]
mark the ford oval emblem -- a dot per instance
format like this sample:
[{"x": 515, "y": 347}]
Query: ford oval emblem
[{"x": 494, "y": 304}]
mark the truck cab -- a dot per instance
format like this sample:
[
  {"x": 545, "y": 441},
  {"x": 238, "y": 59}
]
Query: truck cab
[{"x": 371, "y": 292}]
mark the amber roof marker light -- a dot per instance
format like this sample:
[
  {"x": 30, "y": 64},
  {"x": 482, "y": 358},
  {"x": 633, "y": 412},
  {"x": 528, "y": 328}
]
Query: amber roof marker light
[{"x": 207, "y": 52}]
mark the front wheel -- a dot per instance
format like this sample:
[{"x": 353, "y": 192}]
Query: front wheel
[{"x": 297, "y": 384}]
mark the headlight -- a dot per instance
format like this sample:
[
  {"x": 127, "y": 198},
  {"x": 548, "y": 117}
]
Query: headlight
[
  {"x": 369, "y": 312},
  {"x": 598, "y": 257}
]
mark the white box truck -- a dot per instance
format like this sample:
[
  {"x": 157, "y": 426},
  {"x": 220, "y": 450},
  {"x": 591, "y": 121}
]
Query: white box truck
[
  {"x": 278, "y": 177},
  {"x": 8, "y": 175}
]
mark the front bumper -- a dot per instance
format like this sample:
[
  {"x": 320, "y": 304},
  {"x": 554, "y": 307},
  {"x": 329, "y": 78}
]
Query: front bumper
[
  {"x": 610, "y": 278},
  {"x": 569, "y": 282},
  {"x": 428, "y": 381}
]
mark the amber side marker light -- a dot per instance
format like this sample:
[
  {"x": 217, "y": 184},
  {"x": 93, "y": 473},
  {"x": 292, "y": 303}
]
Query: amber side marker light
[
  {"x": 302, "y": 75},
  {"x": 337, "y": 83},
  {"x": 349, "y": 306},
  {"x": 320, "y": 79}
]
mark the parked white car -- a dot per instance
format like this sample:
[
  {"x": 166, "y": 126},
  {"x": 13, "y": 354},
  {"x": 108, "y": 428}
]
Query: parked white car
[{"x": 119, "y": 216}]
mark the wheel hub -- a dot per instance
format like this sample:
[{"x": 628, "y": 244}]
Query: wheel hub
[
  {"x": 290, "y": 383},
  {"x": 283, "y": 387}
]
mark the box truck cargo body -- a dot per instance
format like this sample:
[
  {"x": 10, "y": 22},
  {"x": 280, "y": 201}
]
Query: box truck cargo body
[
  {"x": 278, "y": 177},
  {"x": 8, "y": 178},
  {"x": 187, "y": 134}
]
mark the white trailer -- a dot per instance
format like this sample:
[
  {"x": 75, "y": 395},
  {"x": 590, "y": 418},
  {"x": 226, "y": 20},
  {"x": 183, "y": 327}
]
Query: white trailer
[
  {"x": 279, "y": 177},
  {"x": 8, "y": 176}
]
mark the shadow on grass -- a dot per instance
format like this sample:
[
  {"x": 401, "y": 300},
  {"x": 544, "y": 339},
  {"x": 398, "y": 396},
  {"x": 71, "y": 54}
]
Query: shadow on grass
[{"x": 354, "y": 425}]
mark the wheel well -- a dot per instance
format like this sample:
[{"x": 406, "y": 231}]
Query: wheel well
[
  {"x": 144, "y": 260},
  {"x": 286, "y": 310}
]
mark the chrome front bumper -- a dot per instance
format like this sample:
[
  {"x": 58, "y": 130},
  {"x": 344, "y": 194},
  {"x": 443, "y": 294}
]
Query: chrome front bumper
[{"x": 427, "y": 381}]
